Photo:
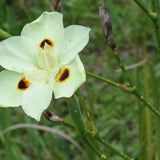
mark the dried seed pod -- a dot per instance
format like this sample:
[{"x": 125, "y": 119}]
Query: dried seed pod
[
  {"x": 106, "y": 24},
  {"x": 52, "y": 117}
]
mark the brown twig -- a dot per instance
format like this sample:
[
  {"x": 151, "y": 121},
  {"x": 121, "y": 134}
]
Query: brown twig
[
  {"x": 104, "y": 2},
  {"x": 57, "y": 5}
]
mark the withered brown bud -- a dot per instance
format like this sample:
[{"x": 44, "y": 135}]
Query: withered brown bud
[
  {"x": 52, "y": 117},
  {"x": 106, "y": 24}
]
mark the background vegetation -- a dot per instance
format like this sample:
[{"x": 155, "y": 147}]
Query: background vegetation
[{"x": 120, "y": 117}]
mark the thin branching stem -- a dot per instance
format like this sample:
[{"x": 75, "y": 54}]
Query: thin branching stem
[
  {"x": 90, "y": 121},
  {"x": 94, "y": 132},
  {"x": 153, "y": 6},
  {"x": 75, "y": 112},
  {"x": 146, "y": 11},
  {"x": 112, "y": 148},
  {"x": 88, "y": 136},
  {"x": 116, "y": 55},
  {"x": 131, "y": 90},
  {"x": 154, "y": 18},
  {"x": 83, "y": 104},
  {"x": 106, "y": 24},
  {"x": 135, "y": 91},
  {"x": 118, "y": 85},
  {"x": 88, "y": 141},
  {"x": 140, "y": 97}
]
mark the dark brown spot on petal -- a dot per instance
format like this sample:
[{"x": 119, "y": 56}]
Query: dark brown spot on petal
[
  {"x": 64, "y": 75},
  {"x": 23, "y": 84},
  {"x": 48, "y": 41}
]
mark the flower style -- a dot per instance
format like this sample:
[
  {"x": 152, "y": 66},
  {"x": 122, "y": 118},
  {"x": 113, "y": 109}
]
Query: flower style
[{"x": 44, "y": 59}]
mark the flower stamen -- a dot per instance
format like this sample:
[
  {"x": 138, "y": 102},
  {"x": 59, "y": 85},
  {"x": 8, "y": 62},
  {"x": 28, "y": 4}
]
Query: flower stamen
[{"x": 48, "y": 41}]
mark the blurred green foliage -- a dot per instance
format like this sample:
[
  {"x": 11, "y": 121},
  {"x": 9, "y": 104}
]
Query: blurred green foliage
[{"x": 115, "y": 113}]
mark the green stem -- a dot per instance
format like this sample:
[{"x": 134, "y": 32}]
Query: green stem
[
  {"x": 116, "y": 54},
  {"x": 75, "y": 111},
  {"x": 112, "y": 148},
  {"x": 68, "y": 124},
  {"x": 141, "y": 116},
  {"x": 157, "y": 34},
  {"x": 118, "y": 85},
  {"x": 4, "y": 34},
  {"x": 156, "y": 100},
  {"x": 134, "y": 91},
  {"x": 156, "y": 112},
  {"x": 83, "y": 104},
  {"x": 88, "y": 141},
  {"x": 154, "y": 18},
  {"x": 146, "y": 11},
  {"x": 95, "y": 134},
  {"x": 90, "y": 120},
  {"x": 86, "y": 135},
  {"x": 156, "y": 25},
  {"x": 153, "y": 5},
  {"x": 128, "y": 89},
  {"x": 147, "y": 111}
]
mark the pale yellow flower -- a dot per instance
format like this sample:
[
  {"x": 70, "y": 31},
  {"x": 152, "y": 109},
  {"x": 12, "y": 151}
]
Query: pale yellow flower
[{"x": 44, "y": 59}]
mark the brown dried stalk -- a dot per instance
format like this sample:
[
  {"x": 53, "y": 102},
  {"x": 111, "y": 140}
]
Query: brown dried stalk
[{"x": 57, "y": 5}]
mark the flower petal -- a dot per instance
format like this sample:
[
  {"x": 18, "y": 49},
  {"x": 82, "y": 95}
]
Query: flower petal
[
  {"x": 10, "y": 96},
  {"x": 36, "y": 99},
  {"x": 14, "y": 54},
  {"x": 47, "y": 28},
  {"x": 72, "y": 76},
  {"x": 75, "y": 39}
]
